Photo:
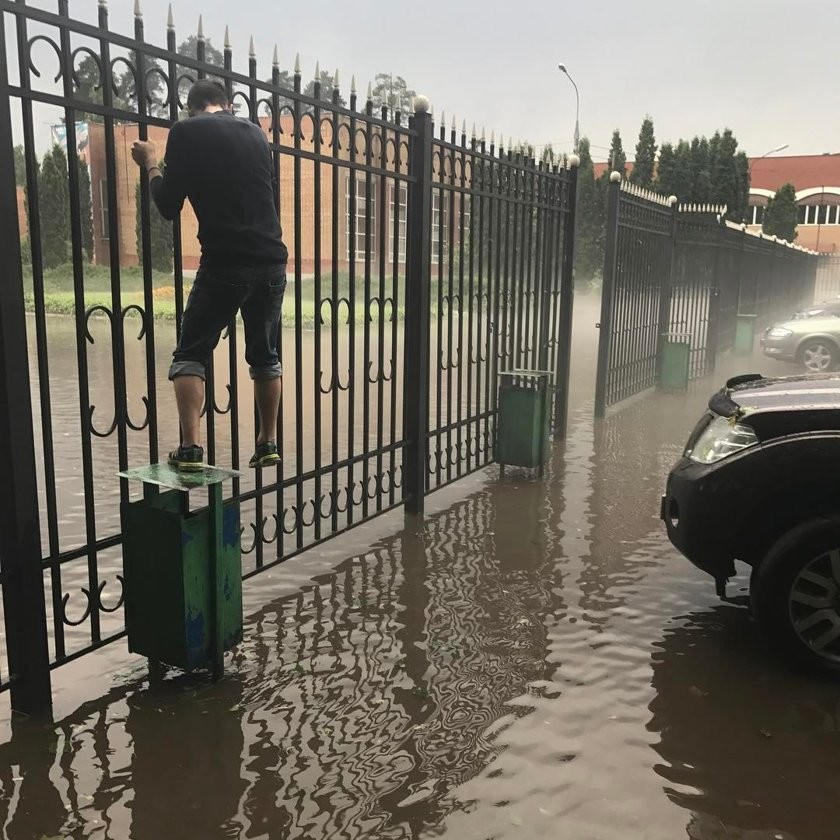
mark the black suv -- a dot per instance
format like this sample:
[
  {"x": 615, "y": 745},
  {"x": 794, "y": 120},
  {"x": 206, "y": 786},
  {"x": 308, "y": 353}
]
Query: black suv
[{"x": 759, "y": 482}]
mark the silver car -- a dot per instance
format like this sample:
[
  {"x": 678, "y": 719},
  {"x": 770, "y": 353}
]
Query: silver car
[{"x": 810, "y": 338}]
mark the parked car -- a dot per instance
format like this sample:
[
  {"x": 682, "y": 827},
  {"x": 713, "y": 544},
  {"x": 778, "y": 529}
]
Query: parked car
[
  {"x": 810, "y": 338},
  {"x": 759, "y": 482}
]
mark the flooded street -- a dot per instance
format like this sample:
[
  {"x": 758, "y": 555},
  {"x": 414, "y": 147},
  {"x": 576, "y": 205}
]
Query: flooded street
[{"x": 532, "y": 660}]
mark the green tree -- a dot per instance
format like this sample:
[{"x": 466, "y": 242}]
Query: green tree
[
  {"x": 160, "y": 235},
  {"x": 643, "y": 167},
  {"x": 189, "y": 48},
  {"x": 86, "y": 208},
  {"x": 730, "y": 175},
  {"x": 54, "y": 206},
  {"x": 666, "y": 170},
  {"x": 392, "y": 92},
  {"x": 89, "y": 87},
  {"x": 701, "y": 171},
  {"x": 782, "y": 215},
  {"x": 706, "y": 172},
  {"x": 20, "y": 167},
  {"x": 617, "y": 158},
  {"x": 591, "y": 220},
  {"x": 327, "y": 87}
]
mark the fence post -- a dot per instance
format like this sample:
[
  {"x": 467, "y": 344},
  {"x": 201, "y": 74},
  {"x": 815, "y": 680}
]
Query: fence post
[
  {"x": 663, "y": 317},
  {"x": 607, "y": 291},
  {"x": 713, "y": 328},
  {"x": 20, "y": 532},
  {"x": 417, "y": 301},
  {"x": 567, "y": 297}
]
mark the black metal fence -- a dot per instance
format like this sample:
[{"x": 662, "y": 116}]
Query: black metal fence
[
  {"x": 683, "y": 271},
  {"x": 421, "y": 264},
  {"x": 828, "y": 278}
]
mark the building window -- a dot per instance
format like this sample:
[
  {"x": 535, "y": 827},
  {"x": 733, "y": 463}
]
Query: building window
[
  {"x": 356, "y": 250},
  {"x": 399, "y": 207},
  {"x": 757, "y": 214},
  {"x": 438, "y": 226},
  {"x": 104, "y": 220},
  {"x": 819, "y": 214},
  {"x": 465, "y": 214}
]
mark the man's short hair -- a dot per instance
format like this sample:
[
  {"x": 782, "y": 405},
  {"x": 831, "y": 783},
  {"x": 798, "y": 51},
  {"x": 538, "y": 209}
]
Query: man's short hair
[{"x": 206, "y": 92}]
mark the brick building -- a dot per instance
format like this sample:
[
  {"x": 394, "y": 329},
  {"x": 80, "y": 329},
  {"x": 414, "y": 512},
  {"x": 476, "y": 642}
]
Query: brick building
[
  {"x": 816, "y": 179},
  {"x": 395, "y": 201}
]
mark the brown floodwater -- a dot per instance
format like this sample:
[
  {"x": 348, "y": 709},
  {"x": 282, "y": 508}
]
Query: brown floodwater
[{"x": 531, "y": 660}]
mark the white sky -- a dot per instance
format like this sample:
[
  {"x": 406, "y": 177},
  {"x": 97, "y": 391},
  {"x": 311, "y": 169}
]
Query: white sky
[{"x": 766, "y": 68}]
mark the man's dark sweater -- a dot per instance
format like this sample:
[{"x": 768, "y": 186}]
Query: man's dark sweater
[{"x": 223, "y": 165}]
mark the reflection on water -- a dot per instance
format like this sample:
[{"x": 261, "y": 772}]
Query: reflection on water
[{"x": 533, "y": 661}]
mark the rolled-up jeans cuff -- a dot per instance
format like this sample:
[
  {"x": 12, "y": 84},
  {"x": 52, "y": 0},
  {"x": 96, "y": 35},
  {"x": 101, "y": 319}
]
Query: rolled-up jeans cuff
[
  {"x": 187, "y": 367},
  {"x": 259, "y": 374}
]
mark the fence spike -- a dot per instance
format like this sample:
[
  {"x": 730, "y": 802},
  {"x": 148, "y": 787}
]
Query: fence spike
[
  {"x": 275, "y": 59},
  {"x": 138, "y": 12},
  {"x": 252, "y": 53},
  {"x": 317, "y": 71},
  {"x": 483, "y": 135},
  {"x": 227, "y": 38},
  {"x": 103, "y": 4},
  {"x": 464, "y": 128},
  {"x": 335, "y": 79},
  {"x": 170, "y": 21},
  {"x": 200, "y": 34},
  {"x": 501, "y": 142},
  {"x": 297, "y": 64},
  {"x": 443, "y": 118},
  {"x": 453, "y": 124},
  {"x": 492, "y": 138}
]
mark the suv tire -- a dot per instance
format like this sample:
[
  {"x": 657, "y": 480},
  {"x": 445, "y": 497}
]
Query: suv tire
[{"x": 795, "y": 595}]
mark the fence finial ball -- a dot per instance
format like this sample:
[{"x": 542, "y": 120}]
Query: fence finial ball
[
  {"x": 421, "y": 104},
  {"x": 615, "y": 177},
  {"x": 574, "y": 161},
  {"x": 672, "y": 200}
]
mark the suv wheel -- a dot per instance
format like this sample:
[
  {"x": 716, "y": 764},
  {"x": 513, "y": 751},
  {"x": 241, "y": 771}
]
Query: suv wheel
[
  {"x": 818, "y": 356},
  {"x": 795, "y": 593}
]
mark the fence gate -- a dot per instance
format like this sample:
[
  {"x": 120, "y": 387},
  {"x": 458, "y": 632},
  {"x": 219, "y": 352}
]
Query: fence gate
[{"x": 423, "y": 262}]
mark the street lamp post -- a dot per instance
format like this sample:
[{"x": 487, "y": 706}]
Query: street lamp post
[
  {"x": 767, "y": 154},
  {"x": 562, "y": 68},
  {"x": 761, "y": 157}
]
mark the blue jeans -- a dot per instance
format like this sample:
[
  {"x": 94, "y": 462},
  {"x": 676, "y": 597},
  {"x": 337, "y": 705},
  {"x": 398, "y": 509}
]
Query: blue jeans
[{"x": 216, "y": 296}]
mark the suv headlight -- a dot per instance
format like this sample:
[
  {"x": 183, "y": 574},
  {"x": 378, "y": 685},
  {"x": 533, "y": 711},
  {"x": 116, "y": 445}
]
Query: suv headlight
[
  {"x": 779, "y": 332},
  {"x": 720, "y": 439}
]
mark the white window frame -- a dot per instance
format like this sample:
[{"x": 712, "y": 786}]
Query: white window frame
[
  {"x": 104, "y": 216},
  {"x": 358, "y": 254},
  {"x": 439, "y": 203},
  {"x": 402, "y": 207}
]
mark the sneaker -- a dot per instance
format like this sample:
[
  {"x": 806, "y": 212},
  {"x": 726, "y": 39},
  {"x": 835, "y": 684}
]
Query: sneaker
[
  {"x": 187, "y": 458},
  {"x": 265, "y": 456}
]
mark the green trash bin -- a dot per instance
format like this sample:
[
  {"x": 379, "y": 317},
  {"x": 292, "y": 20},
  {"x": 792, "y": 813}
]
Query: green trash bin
[
  {"x": 744, "y": 335},
  {"x": 676, "y": 361},
  {"x": 524, "y": 419},
  {"x": 182, "y": 569}
]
